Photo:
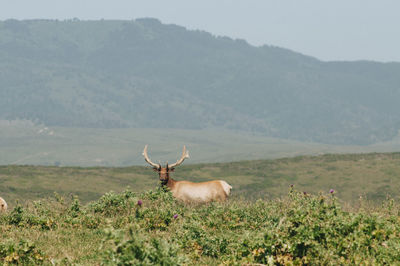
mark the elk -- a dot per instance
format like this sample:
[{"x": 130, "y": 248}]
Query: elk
[
  {"x": 216, "y": 190},
  {"x": 3, "y": 205}
]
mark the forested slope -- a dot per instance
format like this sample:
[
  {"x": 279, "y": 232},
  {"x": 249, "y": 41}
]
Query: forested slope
[{"x": 146, "y": 74}]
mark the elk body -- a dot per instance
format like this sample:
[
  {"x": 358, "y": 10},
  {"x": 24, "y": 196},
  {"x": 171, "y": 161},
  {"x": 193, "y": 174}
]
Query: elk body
[
  {"x": 217, "y": 190},
  {"x": 3, "y": 205}
]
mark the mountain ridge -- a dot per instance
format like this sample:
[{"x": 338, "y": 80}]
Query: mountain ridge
[{"x": 142, "y": 73}]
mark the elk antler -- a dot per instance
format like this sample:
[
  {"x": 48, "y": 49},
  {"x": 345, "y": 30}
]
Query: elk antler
[
  {"x": 185, "y": 154},
  {"x": 146, "y": 157}
]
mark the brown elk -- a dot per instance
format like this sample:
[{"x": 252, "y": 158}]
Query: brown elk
[
  {"x": 216, "y": 190},
  {"x": 3, "y": 205}
]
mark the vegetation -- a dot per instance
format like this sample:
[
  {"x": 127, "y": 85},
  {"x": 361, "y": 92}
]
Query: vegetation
[
  {"x": 53, "y": 210},
  {"x": 372, "y": 176},
  {"x": 23, "y": 143},
  {"x": 152, "y": 228},
  {"x": 143, "y": 74}
]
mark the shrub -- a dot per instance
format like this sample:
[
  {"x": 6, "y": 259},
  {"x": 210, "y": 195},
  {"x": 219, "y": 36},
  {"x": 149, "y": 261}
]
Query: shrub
[
  {"x": 141, "y": 229},
  {"x": 24, "y": 252},
  {"x": 136, "y": 249},
  {"x": 20, "y": 217},
  {"x": 112, "y": 203}
]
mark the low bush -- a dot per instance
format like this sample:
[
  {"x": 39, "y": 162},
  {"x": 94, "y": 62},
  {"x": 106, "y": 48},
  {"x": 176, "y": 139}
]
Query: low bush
[
  {"x": 135, "y": 248},
  {"x": 153, "y": 228},
  {"x": 22, "y": 253}
]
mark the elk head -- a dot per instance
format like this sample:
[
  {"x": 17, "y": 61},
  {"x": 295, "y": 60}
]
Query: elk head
[{"x": 163, "y": 172}]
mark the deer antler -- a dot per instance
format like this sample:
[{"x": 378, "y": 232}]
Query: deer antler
[
  {"x": 185, "y": 154},
  {"x": 146, "y": 157}
]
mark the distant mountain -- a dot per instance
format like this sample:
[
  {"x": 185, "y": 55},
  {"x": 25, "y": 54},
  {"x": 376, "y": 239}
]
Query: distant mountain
[{"x": 146, "y": 74}]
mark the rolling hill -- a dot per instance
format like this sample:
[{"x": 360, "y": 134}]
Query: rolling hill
[
  {"x": 145, "y": 74},
  {"x": 372, "y": 176}
]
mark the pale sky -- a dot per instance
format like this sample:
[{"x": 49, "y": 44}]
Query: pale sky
[{"x": 328, "y": 30}]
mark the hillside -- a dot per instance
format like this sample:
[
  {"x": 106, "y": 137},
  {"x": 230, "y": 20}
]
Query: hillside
[
  {"x": 144, "y": 74},
  {"x": 373, "y": 177}
]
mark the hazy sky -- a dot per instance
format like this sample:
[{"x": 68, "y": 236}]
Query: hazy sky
[{"x": 329, "y": 30}]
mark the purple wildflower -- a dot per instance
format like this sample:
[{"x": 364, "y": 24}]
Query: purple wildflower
[
  {"x": 291, "y": 185},
  {"x": 175, "y": 216},
  {"x": 331, "y": 191},
  {"x": 305, "y": 193},
  {"x": 139, "y": 202}
]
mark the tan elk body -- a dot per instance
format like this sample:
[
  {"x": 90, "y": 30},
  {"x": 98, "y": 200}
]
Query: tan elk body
[
  {"x": 3, "y": 205},
  {"x": 216, "y": 190}
]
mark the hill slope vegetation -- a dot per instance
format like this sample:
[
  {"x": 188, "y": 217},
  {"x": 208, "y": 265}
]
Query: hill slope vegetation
[
  {"x": 370, "y": 176},
  {"x": 145, "y": 74}
]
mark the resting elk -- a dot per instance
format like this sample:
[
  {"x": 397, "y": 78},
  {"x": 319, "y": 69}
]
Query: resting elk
[{"x": 217, "y": 190}]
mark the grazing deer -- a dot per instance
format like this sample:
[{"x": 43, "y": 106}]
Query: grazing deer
[
  {"x": 3, "y": 205},
  {"x": 187, "y": 191}
]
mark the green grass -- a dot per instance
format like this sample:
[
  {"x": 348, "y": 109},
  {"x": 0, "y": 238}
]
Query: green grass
[
  {"x": 311, "y": 229},
  {"x": 53, "y": 210},
  {"x": 35, "y": 145},
  {"x": 370, "y": 176}
]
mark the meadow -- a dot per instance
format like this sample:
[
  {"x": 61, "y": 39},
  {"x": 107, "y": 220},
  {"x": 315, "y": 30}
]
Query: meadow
[
  {"x": 334, "y": 209},
  {"x": 373, "y": 176},
  {"x": 25, "y": 143}
]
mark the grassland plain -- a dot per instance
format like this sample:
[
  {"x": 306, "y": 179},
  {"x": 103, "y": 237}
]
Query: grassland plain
[
  {"x": 27, "y": 144},
  {"x": 151, "y": 228},
  {"x": 371, "y": 176}
]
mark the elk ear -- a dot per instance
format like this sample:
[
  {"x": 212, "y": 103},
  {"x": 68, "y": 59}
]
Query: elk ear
[
  {"x": 171, "y": 169},
  {"x": 156, "y": 169}
]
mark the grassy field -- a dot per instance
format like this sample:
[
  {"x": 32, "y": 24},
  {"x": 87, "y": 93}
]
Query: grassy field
[
  {"x": 151, "y": 228},
  {"x": 371, "y": 176},
  {"x": 39, "y": 145},
  {"x": 53, "y": 210}
]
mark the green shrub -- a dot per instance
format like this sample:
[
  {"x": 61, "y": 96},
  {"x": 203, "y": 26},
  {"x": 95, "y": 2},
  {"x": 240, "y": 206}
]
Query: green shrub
[
  {"x": 20, "y": 217},
  {"x": 154, "y": 228},
  {"x": 75, "y": 209},
  {"x": 22, "y": 253},
  {"x": 111, "y": 203},
  {"x": 136, "y": 249}
]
